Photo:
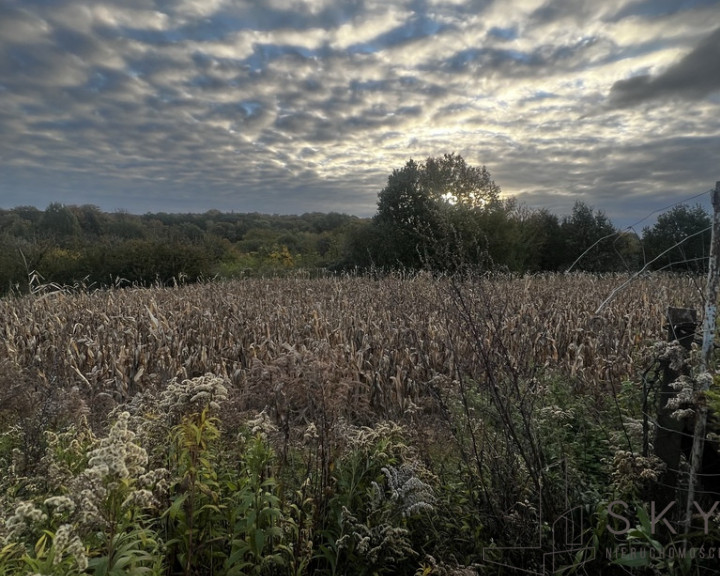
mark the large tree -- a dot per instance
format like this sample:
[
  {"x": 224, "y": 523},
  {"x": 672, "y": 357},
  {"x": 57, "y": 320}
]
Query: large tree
[
  {"x": 60, "y": 223},
  {"x": 433, "y": 213},
  {"x": 679, "y": 240},
  {"x": 541, "y": 246},
  {"x": 589, "y": 240}
]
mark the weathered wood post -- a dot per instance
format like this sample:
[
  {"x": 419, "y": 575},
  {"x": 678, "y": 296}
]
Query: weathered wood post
[
  {"x": 681, "y": 326},
  {"x": 705, "y": 370}
]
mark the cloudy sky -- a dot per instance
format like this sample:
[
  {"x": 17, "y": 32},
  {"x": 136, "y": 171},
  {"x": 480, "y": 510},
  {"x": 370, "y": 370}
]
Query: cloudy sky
[{"x": 291, "y": 106}]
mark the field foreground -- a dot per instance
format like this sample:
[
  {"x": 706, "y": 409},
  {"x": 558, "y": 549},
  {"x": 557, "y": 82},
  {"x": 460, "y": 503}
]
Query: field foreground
[{"x": 330, "y": 426}]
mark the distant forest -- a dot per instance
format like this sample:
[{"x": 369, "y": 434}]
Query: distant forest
[{"x": 84, "y": 246}]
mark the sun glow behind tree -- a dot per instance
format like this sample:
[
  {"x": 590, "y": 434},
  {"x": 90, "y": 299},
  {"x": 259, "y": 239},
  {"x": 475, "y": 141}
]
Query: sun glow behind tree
[{"x": 436, "y": 211}]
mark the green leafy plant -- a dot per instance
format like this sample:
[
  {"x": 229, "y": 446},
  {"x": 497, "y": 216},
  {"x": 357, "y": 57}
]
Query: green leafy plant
[
  {"x": 194, "y": 518},
  {"x": 60, "y": 553},
  {"x": 377, "y": 491},
  {"x": 260, "y": 530},
  {"x": 11, "y": 555},
  {"x": 643, "y": 548}
]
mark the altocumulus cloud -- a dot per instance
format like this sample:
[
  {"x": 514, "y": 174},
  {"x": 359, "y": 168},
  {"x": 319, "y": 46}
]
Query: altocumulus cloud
[
  {"x": 695, "y": 76},
  {"x": 301, "y": 105}
]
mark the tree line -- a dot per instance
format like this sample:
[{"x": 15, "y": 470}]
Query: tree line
[
  {"x": 82, "y": 245},
  {"x": 440, "y": 214},
  {"x": 444, "y": 214}
]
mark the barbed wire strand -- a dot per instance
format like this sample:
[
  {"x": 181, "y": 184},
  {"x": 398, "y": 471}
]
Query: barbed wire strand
[
  {"x": 631, "y": 227},
  {"x": 644, "y": 268},
  {"x": 678, "y": 203}
]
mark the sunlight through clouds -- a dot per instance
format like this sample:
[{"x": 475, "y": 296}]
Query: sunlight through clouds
[{"x": 231, "y": 105}]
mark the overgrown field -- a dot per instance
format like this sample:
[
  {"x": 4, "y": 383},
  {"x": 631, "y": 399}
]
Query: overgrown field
[{"x": 329, "y": 426}]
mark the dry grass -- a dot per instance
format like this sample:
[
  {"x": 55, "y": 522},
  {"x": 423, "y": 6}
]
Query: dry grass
[
  {"x": 371, "y": 347},
  {"x": 347, "y": 380}
]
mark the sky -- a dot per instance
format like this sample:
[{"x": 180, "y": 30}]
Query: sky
[{"x": 293, "y": 106}]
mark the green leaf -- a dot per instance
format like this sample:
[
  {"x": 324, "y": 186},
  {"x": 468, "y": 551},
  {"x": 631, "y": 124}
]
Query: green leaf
[
  {"x": 237, "y": 558},
  {"x": 100, "y": 565},
  {"x": 644, "y": 519},
  {"x": 211, "y": 507},
  {"x": 175, "y": 507},
  {"x": 259, "y": 538}
]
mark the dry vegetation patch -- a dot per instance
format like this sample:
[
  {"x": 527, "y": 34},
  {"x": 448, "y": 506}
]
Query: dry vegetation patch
[
  {"x": 371, "y": 347},
  {"x": 394, "y": 425}
]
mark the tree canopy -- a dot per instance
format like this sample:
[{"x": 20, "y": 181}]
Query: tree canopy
[
  {"x": 587, "y": 237},
  {"x": 679, "y": 240},
  {"x": 415, "y": 194},
  {"x": 433, "y": 210}
]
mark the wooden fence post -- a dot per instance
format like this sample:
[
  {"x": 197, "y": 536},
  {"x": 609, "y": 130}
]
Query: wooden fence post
[
  {"x": 669, "y": 434},
  {"x": 705, "y": 372}
]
